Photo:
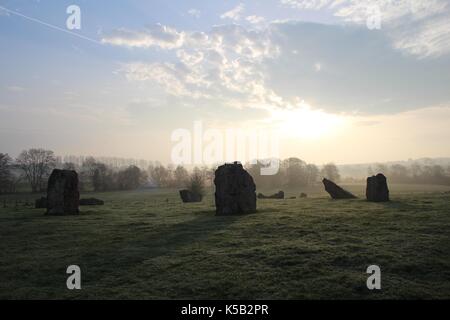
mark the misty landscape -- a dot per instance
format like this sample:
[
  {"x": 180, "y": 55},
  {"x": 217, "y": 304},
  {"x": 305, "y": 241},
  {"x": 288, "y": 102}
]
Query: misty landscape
[{"x": 229, "y": 150}]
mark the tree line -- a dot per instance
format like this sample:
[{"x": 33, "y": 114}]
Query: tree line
[
  {"x": 33, "y": 167},
  {"x": 414, "y": 173}
]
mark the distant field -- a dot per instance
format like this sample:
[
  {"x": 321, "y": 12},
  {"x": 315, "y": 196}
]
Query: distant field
[{"x": 148, "y": 245}]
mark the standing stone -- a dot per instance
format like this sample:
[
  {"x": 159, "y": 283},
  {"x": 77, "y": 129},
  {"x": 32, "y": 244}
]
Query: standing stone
[
  {"x": 41, "y": 203},
  {"x": 63, "y": 196},
  {"x": 278, "y": 195},
  {"x": 377, "y": 188},
  {"x": 188, "y": 196},
  {"x": 235, "y": 190},
  {"x": 335, "y": 191}
]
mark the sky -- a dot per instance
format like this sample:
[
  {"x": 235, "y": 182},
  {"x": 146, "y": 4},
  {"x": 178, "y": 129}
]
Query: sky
[{"x": 334, "y": 80}]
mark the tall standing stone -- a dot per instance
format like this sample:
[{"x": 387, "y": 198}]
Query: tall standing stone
[
  {"x": 335, "y": 191},
  {"x": 377, "y": 188},
  {"x": 63, "y": 196},
  {"x": 235, "y": 190}
]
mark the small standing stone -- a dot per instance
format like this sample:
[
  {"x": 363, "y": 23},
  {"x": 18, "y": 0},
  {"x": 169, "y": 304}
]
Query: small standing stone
[
  {"x": 188, "y": 196},
  {"x": 41, "y": 203},
  {"x": 278, "y": 195}
]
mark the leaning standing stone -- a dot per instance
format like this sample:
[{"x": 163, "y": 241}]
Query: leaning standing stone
[
  {"x": 335, "y": 191},
  {"x": 377, "y": 188},
  {"x": 235, "y": 190},
  {"x": 63, "y": 196}
]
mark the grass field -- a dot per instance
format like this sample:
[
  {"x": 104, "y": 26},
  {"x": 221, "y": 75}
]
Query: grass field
[{"x": 148, "y": 245}]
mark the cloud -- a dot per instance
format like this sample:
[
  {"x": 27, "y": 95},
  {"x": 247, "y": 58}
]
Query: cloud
[
  {"x": 3, "y": 12},
  {"x": 223, "y": 64},
  {"x": 308, "y": 4},
  {"x": 194, "y": 13},
  {"x": 154, "y": 36},
  {"x": 416, "y": 27},
  {"x": 15, "y": 89},
  {"x": 255, "y": 19},
  {"x": 235, "y": 13},
  {"x": 243, "y": 67},
  {"x": 430, "y": 39}
]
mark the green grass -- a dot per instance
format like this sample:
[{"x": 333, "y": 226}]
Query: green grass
[{"x": 148, "y": 245}]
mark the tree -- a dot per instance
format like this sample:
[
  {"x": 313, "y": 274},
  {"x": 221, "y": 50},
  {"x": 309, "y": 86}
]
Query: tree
[
  {"x": 398, "y": 173},
  {"x": 196, "y": 183},
  {"x": 312, "y": 174},
  {"x": 69, "y": 166},
  {"x": 181, "y": 176},
  {"x": 130, "y": 178},
  {"x": 331, "y": 172},
  {"x": 295, "y": 172},
  {"x": 5, "y": 172},
  {"x": 160, "y": 175},
  {"x": 36, "y": 165},
  {"x": 100, "y": 177}
]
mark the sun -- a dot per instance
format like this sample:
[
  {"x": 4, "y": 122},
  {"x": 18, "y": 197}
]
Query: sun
[{"x": 304, "y": 122}]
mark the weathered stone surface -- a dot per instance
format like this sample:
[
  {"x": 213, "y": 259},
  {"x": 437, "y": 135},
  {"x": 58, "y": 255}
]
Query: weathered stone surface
[
  {"x": 278, "y": 195},
  {"x": 63, "y": 196},
  {"x": 91, "y": 202},
  {"x": 41, "y": 203},
  {"x": 377, "y": 188},
  {"x": 303, "y": 195},
  {"x": 188, "y": 196},
  {"x": 335, "y": 191},
  {"x": 235, "y": 190}
]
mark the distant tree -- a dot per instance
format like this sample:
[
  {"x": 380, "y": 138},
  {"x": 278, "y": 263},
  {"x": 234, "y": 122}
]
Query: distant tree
[
  {"x": 381, "y": 168},
  {"x": 398, "y": 173},
  {"x": 130, "y": 178},
  {"x": 5, "y": 172},
  {"x": 416, "y": 170},
  {"x": 69, "y": 166},
  {"x": 36, "y": 165},
  {"x": 160, "y": 176},
  {"x": 331, "y": 172},
  {"x": 295, "y": 172},
  {"x": 181, "y": 176},
  {"x": 196, "y": 183},
  {"x": 312, "y": 174},
  {"x": 100, "y": 175}
]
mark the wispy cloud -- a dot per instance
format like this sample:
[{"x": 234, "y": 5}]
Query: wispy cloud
[
  {"x": 255, "y": 19},
  {"x": 194, "y": 13},
  {"x": 235, "y": 13},
  {"x": 416, "y": 27},
  {"x": 155, "y": 36},
  {"x": 222, "y": 64},
  {"x": 15, "y": 88}
]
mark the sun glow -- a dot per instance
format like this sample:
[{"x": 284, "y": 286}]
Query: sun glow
[{"x": 303, "y": 122}]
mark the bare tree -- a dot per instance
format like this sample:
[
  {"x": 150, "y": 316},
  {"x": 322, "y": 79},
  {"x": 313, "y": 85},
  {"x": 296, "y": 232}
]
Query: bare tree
[
  {"x": 36, "y": 164},
  {"x": 196, "y": 183},
  {"x": 5, "y": 172},
  {"x": 181, "y": 176},
  {"x": 331, "y": 172}
]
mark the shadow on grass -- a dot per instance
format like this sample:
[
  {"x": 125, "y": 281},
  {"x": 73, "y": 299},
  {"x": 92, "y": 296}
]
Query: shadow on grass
[
  {"x": 148, "y": 244},
  {"x": 398, "y": 205}
]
